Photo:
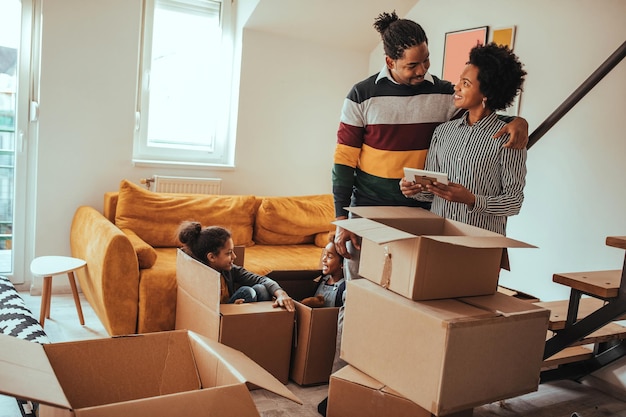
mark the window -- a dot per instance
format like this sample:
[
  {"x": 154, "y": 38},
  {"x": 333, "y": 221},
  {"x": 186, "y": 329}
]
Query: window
[{"x": 183, "y": 105}]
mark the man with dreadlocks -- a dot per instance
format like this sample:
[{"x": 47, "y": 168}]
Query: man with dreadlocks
[{"x": 387, "y": 122}]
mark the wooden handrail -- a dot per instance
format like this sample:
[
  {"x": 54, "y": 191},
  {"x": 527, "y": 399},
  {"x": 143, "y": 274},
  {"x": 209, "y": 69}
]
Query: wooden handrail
[{"x": 580, "y": 92}]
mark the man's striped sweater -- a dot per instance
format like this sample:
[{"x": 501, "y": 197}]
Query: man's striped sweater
[{"x": 384, "y": 127}]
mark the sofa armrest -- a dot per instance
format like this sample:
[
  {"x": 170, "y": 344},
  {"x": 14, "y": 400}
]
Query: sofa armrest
[
  {"x": 146, "y": 255},
  {"x": 111, "y": 280}
]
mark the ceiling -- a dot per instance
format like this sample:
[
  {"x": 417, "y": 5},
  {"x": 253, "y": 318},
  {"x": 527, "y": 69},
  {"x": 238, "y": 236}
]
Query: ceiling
[{"x": 341, "y": 23}]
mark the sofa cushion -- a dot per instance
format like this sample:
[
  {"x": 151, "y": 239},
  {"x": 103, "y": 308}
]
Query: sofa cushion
[
  {"x": 156, "y": 217},
  {"x": 293, "y": 220}
]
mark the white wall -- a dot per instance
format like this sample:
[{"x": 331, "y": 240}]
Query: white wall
[
  {"x": 575, "y": 195},
  {"x": 290, "y": 103}
]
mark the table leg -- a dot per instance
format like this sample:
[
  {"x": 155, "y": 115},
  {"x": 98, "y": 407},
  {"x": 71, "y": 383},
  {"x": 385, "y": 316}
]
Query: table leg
[
  {"x": 45, "y": 300},
  {"x": 79, "y": 310}
]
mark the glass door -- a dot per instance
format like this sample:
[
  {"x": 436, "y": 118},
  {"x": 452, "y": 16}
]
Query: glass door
[
  {"x": 10, "y": 23},
  {"x": 17, "y": 86}
]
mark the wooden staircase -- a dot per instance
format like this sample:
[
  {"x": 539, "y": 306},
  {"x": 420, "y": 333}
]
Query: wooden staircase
[{"x": 597, "y": 300}]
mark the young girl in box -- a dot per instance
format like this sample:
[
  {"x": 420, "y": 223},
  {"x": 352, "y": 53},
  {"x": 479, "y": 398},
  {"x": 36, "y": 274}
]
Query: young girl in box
[{"x": 214, "y": 247}]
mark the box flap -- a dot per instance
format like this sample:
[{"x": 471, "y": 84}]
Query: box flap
[
  {"x": 382, "y": 224},
  {"x": 454, "y": 233},
  {"x": 25, "y": 372},
  {"x": 137, "y": 366},
  {"x": 349, "y": 373},
  {"x": 206, "y": 402},
  {"x": 504, "y": 305},
  {"x": 481, "y": 242},
  {"x": 243, "y": 366},
  {"x": 200, "y": 280},
  {"x": 374, "y": 231},
  {"x": 392, "y": 212}
]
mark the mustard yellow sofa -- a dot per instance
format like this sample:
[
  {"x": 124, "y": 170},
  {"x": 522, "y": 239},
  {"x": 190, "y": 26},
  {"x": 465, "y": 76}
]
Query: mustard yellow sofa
[{"x": 130, "y": 248}]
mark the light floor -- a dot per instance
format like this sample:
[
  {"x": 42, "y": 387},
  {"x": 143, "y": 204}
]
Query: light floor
[{"x": 557, "y": 399}]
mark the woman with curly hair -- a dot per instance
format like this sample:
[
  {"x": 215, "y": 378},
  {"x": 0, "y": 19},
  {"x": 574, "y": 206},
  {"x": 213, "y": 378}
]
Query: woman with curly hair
[{"x": 486, "y": 179}]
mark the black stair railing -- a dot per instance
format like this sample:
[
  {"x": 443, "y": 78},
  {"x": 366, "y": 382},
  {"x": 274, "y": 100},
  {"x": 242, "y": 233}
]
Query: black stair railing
[{"x": 580, "y": 92}]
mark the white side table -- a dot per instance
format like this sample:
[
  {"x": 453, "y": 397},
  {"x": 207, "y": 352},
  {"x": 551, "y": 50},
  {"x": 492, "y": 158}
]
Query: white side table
[{"x": 47, "y": 267}]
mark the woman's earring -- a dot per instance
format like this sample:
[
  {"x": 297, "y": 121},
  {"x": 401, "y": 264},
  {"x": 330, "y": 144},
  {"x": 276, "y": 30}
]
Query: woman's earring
[{"x": 484, "y": 101}]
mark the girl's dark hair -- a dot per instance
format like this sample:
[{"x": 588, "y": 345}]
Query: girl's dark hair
[
  {"x": 398, "y": 34},
  {"x": 198, "y": 242},
  {"x": 500, "y": 74}
]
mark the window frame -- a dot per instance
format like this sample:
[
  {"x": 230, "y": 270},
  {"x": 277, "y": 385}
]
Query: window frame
[{"x": 223, "y": 153}]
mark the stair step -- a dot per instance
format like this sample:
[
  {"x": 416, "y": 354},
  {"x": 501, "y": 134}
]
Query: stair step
[
  {"x": 603, "y": 284},
  {"x": 558, "y": 310},
  {"x": 616, "y": 241},
  {"x": 568, "y": 355},
  {"x": 611, "y": 331}
]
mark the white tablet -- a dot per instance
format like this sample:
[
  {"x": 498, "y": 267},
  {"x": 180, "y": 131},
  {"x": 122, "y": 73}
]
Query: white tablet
[{"x": 424, "y": 177}]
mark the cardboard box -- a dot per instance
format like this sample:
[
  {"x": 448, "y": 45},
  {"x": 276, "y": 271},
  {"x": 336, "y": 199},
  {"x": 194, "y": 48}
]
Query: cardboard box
[
  {"x": 352, "y": 393},
  {"x": 445, "y": 355},
  {"x": 315, "y": 335},
  {"x": 314, "y": 346},
  {"x": 156, "y": 374},
  {"x": 422, "y": 256},
  {"x": 259, "y": 330}
]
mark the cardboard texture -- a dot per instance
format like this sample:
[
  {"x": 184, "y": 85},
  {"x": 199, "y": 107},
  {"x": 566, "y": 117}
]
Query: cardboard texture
[
  {"x": 314, "y": 344},
  {"x": 445, "y": 355},
  {"x": 315, "y": 333},
  {"x": 261, "y": 331},
  {"x": 155, "y": 374},
  {"x": 422, "y": 256},
  {"x": 352, "y": 393}
]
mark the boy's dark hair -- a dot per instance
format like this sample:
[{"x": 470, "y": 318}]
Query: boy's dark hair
[
  {"x": 398, "y": 34},
  {"x": 500, "y": 74}
]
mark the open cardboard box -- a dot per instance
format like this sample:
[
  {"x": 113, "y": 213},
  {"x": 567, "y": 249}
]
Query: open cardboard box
[
  {"x": 261, "y": 331},
  {"x": 314, "y": 344},
  {"x": 315, "y": 335},
  {"x": 352, "y": 393},
  {"x": 445, "y": 355},
  {"x": 422, "y": 256},
  {"x": 152, "y": 375}
]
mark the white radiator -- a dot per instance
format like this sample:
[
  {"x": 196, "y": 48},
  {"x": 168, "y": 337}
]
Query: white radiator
[{"x": 190, "y": 185}]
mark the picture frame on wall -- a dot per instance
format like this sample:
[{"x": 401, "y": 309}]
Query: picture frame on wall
[
  {"x": 506, "y": 36},
  {"x": 457, "y": 46}
]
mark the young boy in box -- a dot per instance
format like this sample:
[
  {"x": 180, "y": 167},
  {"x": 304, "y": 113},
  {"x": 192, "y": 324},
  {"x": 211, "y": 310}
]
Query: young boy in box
[{"x": 329, "y": 292}]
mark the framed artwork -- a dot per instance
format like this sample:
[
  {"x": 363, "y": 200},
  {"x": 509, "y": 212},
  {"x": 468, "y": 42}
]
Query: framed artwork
[
  {"x": 504, "y": 36},
  {"x": 456, "y": 50}
]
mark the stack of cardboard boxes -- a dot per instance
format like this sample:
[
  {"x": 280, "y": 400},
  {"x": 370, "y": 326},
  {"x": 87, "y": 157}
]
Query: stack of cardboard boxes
[{"x": 426, "y": 332}]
